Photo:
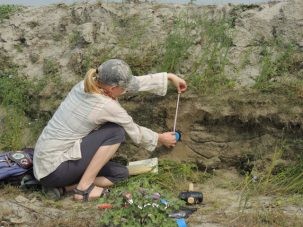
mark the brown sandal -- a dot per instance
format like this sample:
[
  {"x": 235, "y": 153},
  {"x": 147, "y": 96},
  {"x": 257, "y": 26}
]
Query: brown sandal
[{"x": 85, "y": 193}]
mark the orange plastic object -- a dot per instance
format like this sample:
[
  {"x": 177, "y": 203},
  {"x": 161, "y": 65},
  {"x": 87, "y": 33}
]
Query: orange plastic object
[{"x": 105, "y": 206}]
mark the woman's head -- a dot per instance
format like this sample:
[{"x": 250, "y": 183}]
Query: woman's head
[
  {"x": 112, "y": 77},
  {"x": 114, "y": 72}
]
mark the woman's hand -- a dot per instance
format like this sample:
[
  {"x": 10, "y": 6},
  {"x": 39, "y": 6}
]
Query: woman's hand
[
  {"x": 178, "y": 82},
  {"x": 168, "y": 139}
]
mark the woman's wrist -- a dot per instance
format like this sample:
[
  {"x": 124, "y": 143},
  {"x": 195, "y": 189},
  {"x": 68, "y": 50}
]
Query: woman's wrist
[
  {"x": 170, "y": 76},
  {"x": 160, "y": 138}
]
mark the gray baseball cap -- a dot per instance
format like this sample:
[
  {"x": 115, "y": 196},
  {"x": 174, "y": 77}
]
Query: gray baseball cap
[{"x": 116, "y": 72}]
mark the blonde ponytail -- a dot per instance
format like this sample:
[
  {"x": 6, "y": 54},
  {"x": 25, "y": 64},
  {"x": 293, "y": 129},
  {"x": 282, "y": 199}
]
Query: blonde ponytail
[{"x": 91, "y": 85}]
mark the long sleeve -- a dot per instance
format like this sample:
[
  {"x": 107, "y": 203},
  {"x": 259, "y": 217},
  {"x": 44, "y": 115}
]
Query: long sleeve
[
  {"x": 153, "y": 83},
  {"x": 114, "y": 112}
]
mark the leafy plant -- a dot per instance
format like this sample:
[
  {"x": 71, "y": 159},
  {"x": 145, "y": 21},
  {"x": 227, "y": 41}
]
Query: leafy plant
[{"x": 146, "y": 210}]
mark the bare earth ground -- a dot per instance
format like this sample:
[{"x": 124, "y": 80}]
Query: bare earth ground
[
  {"x": 221, "y": 207},
  {"x": 224, "y": 206}
]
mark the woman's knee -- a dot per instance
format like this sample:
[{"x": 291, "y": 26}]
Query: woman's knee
[
  {"x": 124, "y": 174},
  {"x": 117, "y": 173},
  {"x": 121, "y": 174},
  {"x": 118, "y": 130},
  {"x": 114, "y": 131}
]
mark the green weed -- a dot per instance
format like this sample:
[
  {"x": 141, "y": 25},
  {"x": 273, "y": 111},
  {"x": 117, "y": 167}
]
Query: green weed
[
  {"x": 15, "y": 121},
  {"x": 213, "y": 57},
  {"x": 19, "y": 97},
  {"x": 245, "y": 57},
  {"x": 143, "y": 52},
  {"x": 144, "y": 211},
  {"x": 92, "y": 57},
  {"x": 176, "y": 45},
  {"x": 286, "y": 180},
  {"x": 280, "y": 61},
  {"x": 74, "y": 39},
  {"x": 13, "y": 92},
  {"x": 238, "y": 9},
  {"x": 290, "y": 180},
  {"x": 262, "y": 216},
  {"x": 19, "y": 48},
  {"x": 15, "y": 99},
  {"x": 249, "y": 189},
  {"x": 206, "y": 74},
  {"x": 145, "y": 62},
  {"x": 59, "y": 36},
  {"x": 7, "y": 10},
  {"x": 131, "y": 30},
  {"x": 50, "y": 66},
  {"x": 172, "y": 173},
  {"x": 142, "y": 187}
]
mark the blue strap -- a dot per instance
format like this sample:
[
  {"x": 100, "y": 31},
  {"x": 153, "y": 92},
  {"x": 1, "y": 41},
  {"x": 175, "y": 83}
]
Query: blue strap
[{"x": 181, "y": 222}]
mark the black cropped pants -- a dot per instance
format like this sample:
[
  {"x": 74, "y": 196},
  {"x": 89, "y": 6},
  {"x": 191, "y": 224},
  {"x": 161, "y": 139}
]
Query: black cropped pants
[{"x": 70, "y": 172}]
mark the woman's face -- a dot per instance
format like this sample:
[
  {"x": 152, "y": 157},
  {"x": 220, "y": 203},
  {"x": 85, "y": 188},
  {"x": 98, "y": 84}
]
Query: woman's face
[
  {"x": 118, "y": 91},
  {"x": 114, "y": 91}
]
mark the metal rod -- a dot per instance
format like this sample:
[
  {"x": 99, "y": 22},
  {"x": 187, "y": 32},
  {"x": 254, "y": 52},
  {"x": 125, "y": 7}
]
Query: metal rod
[{"x": 176, "y": 114}]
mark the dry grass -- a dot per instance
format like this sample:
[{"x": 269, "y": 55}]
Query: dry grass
[
  {"x": 9, "y": 192},
  {"x": 264, "y": 217}
]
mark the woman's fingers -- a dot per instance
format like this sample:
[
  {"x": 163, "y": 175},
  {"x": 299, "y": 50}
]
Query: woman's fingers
[
  {"x": 182, "y": 87},
  {"x": 168, "y": 139},
  {"x": 178, "y": 82}
]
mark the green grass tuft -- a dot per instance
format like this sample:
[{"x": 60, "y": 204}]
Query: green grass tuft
[
  {"x": 7, "y": 10},
  {"x": 290, "y": 180},
  {"x": 213, "y": 57},
  {"x": 287, "y": 180},
  {"x": 176, "y": 45},
  {"x": 21, "y": 118},
  {"x": 280, "y": 67}
]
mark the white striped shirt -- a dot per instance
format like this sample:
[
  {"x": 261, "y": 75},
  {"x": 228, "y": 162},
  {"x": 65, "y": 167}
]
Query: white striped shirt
[{"x": 80, "y": 113}]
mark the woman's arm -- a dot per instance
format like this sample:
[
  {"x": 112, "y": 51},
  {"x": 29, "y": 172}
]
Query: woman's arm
[
  {"x": 114, "y": 112},
  {"x": 157, "y": 83},
  {"x": 153, "y": 83}
]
